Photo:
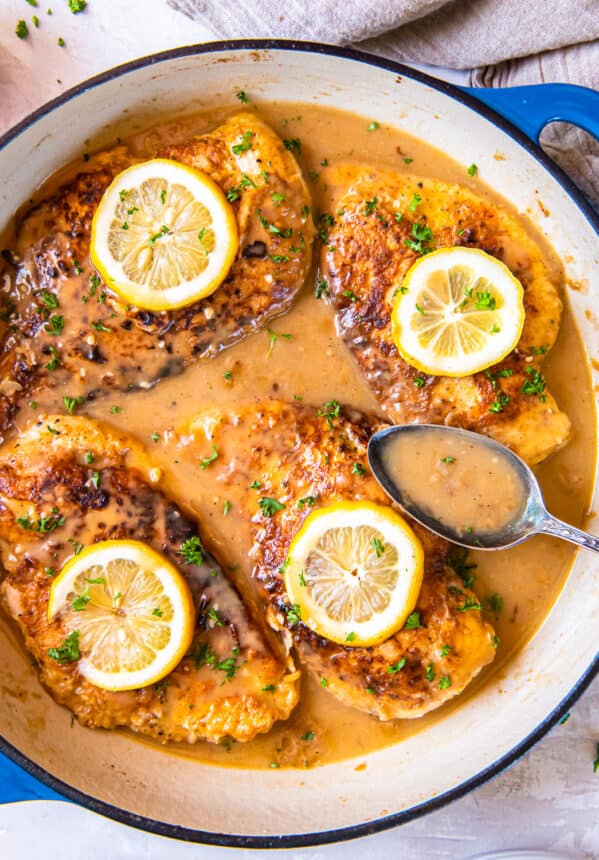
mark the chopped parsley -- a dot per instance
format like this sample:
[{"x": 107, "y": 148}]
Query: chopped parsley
[
  {"x": 306, "y": 500},
  {"x": 79, "y": 602},
  {"x": 242, "y": 97},
  {"x": 155, "y": 437},
  {"x": 419, "y": 381},
  {"x": 49, "y": 571},
  {"x": 322, "y": 288},
  {"x": 270, "y": 688},
  {"x": 269, "y": 507},
  {"x": 330, "y": 410},
  {"x": 227, "y": 375},
  {"x": 377, "y": 546},
  {"x": 273, "y": 336},
  {"x": 206, "y": 461},
  {"x": 68, "y": 651},
  {"x": 485, "y": 301},
  {"x": 470, "y": 603},
  {"x": 414, "y": 202},
  {"x": 89, "y": 457},
  {"x": 279, "y": 258},
  {"x": 596, "y": 762},
  {"x": 61, "y": 42},
  {"x": 430, "y": 672},
  {"x": 22, "y": 30},
  {"x": 277, "y": 197},
  {"x": 501, "y": 401},
  {"x": 99, "y": 326},
  {"x": 407, "y": 160},
  {"x": 396, "y": 667},
  {"x": 245, "y": 144},
  {"x": 358, "y": 469},
  {"x": 472, "y": 170},
  {"x": 420, "y": 309},
  {"x": 495, "y": 642},
  {"x": 227, "y": 507},
  {"x": 374, "y": 125},
  {"x": 445, "y": 650},
  {"x": 77, "y": 545},
  {"x": 294, "y": 614},
  {"x": 164, "y": 231},
  {"x": 309, "y": 736},
  {"x": 52, "y": 430},
  {"x": 95, "y": 479},
  {"x": 495, "y": 603},
  {"x": 71, "y": 403},
  {"x": 350, "y": 636},
  {"x": 114, "y": 410},
  {"x": 215, "y": 617},
  {"x": 293, "y": 143},
  {"x": 54, "y": 361},
  {"x": 44, "y": 525},
  {"x": 255, "y": 485},
  {"x": 192, "y": 550},
  {"x": 77, "y": 6},
  {"x": 370, "y": 206},
  {"x": 49, "y": 299},
  {"x": 444, "y": 682},
  {"x": 413, "y": 621},
  {"x": 535, "y": 384},
  {"x": 55, "y": 325},
  {"x": 448, "y": 459},
  {"x": 324, "y": 682},
  {"x": 421, "y": 237}
]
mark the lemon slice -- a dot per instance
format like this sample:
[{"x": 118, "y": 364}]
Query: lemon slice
[
  {"x": 353, "y": 572},
  {"x": 163, "y": 235},
  {"x": 132, "y": 611},
  {"x": 458, "y": 311}
]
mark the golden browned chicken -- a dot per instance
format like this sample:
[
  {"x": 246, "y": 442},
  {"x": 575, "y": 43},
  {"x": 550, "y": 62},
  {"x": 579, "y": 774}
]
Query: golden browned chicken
[
  {"x": 382, "y": 222},
  {"x": 62, "y": 320},
  {"x": 290, "y": 454},
  {"x": 69, "y": 481}
]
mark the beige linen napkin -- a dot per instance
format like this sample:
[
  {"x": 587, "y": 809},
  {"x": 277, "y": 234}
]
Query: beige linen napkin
[{"x": 502, "y": 42}]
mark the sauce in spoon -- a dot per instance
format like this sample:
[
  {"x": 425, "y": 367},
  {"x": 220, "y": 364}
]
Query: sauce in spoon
[{"x": 456, "y": 480}]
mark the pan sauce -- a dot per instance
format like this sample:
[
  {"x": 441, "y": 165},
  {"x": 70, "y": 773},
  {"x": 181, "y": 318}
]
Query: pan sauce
[{"x": 313, "y": 364}]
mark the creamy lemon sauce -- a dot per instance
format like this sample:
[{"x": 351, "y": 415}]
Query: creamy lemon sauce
[
  {"x": 313, "y": 364},
  {"x": 456, "y": 480}
]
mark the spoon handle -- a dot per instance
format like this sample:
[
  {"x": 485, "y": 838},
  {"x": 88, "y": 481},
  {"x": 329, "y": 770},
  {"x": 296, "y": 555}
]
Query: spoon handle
[{"x": 550, "y": 525}]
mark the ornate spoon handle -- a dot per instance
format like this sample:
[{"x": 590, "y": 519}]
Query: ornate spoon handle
[{"x": 552, "y": 526}]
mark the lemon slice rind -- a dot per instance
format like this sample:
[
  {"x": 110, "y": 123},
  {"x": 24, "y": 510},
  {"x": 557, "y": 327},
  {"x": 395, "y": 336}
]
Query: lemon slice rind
[
  {"x": 441, "y": 330},
  {"x": 143, "y": 226},
  {"x": 315, "y": 573},
  {"x": 97, "y": 622}
]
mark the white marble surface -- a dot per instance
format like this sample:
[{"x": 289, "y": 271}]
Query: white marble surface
[{"x": 549, "y": 800}]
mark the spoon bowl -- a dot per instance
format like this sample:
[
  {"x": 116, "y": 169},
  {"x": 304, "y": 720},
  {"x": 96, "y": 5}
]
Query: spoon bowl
[{"x": 531, "y": 517}]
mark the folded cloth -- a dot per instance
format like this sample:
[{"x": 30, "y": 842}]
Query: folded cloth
[{"x": 503, "y": 42}]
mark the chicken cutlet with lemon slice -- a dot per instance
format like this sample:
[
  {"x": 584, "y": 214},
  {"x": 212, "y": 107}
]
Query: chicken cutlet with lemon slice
[
  {"x": 72, "y": 494},
  {"x": 288, "y": 465},
  {"x": 61, "y": 319},
  {"x": 381, "y": 222}
]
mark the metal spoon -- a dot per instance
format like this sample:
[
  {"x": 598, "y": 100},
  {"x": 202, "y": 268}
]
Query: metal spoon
[{"x": 533, "y": 518}]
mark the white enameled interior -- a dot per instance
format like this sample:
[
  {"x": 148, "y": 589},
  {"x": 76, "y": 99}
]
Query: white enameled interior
[{"x": 141, "y": 778}]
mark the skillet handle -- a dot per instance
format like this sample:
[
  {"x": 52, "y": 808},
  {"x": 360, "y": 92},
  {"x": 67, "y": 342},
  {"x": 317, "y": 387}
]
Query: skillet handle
[{"x": 531, "y": 108}]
